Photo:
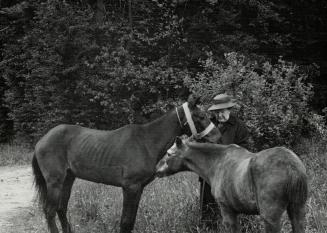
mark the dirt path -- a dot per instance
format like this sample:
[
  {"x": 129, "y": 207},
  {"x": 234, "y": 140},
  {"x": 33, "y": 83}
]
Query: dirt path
[{"x": 16, "y": 194}]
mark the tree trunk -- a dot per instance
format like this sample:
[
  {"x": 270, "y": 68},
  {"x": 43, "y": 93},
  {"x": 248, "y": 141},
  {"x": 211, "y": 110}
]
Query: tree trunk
[
  {"x": 99, "y": 10},
  {"x": 130, "y": 14}
]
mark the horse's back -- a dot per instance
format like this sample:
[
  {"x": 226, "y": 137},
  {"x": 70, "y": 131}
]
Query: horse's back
[
  {"x": 58, "y": 136},
  {"x": 63, "y": 134},
  {"x": 95, "y": 155},
  {"x": 77, "y": 139}
]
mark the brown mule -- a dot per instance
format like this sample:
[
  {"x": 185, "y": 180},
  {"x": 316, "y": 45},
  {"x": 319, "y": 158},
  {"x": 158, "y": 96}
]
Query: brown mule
[
  {"x": 265, "y": 183},
  {"x": 125, "y": 157}
]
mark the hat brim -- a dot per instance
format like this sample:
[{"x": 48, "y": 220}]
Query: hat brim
[{"x": 221, "y": 106}]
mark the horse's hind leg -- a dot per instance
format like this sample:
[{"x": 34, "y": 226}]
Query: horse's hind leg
[
  {"x": 54, "y": 186},
  {"x": 297, "y": 218},
  {"x": 132, "y": 196},
  {"x": 65, "y": 195}
]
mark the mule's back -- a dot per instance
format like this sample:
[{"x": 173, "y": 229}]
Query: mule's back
[
  {"x": 278, "y": 158},
  {"x": 280, "y": 169}
]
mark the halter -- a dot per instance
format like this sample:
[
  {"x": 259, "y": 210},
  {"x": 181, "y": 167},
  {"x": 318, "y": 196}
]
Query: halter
[{"x": 190, "y": 122}]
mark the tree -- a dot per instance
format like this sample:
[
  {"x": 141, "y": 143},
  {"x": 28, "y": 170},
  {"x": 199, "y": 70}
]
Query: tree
[{"x": 105, "y": 68}]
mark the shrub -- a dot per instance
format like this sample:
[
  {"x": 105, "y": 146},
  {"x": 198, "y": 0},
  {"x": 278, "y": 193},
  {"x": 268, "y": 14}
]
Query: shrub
[{"x": 273, "y": 98}]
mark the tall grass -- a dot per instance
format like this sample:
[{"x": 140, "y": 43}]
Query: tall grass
[
  {"x": 314, "y": 156},
  {"x": 15, "y": 154},
  {"x": 171, "y": 204}
]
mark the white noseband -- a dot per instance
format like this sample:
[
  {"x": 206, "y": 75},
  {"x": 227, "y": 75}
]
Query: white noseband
[{"x": 190, "y": 122}]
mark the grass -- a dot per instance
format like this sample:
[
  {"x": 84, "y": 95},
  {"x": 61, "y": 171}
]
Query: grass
[
  {"x": 314, "y": 156},
  {"x": 172, "y": 204},
  {"x": 14, "y": 154}
]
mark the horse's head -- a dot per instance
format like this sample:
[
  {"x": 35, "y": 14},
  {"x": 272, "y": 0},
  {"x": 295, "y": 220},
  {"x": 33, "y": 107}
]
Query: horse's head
[
  {"x": 173, "y": 161},
  {"x": 196, "y": 122}
]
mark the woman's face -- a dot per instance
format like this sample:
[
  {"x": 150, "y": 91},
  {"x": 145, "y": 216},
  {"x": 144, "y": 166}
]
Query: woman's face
[{"x": 222, "y": 115}]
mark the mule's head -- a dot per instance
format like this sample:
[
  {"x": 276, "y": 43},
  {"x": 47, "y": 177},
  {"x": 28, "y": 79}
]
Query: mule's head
[
  {"x": 173, "y": 161},
  {"x": 203, "y": 130}
]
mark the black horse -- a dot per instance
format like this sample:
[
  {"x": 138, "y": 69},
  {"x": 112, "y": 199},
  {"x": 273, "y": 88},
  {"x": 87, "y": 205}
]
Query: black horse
[{"x": 125, "y": 157}]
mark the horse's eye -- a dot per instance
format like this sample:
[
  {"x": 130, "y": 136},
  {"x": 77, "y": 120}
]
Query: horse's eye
[{"x": 201, "y": 118}]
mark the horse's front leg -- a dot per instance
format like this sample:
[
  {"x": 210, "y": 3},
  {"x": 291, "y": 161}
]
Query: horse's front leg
[{"x": 132, "y": 196}]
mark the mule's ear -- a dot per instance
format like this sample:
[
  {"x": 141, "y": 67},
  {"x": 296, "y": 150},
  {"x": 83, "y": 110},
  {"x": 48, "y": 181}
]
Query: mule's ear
[
  {"x": 178, "y": 142},
  {"x": 193, "y": 100}
]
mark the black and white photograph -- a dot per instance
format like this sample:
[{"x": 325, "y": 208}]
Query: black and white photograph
[{"x": 163, "y": 116}]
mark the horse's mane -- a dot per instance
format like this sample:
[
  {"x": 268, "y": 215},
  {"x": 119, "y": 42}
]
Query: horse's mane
[
  {"x": 158, "y": 118},
  {"x": 207, "y": 147}
]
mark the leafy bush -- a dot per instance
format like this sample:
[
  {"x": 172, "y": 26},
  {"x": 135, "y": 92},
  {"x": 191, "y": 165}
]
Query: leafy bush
[{"x": 274, "y": 98}]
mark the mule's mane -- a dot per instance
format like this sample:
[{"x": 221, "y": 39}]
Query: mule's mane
[{"x": 206, "y": 147}]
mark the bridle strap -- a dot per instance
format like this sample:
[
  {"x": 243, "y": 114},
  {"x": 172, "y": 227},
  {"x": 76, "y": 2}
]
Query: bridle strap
[
  {"x": 190, "y": 122},
  {"x": 206, "y": 131},
  {"x": 179, "y": 119},
  {"x": 189, "y": 119}
]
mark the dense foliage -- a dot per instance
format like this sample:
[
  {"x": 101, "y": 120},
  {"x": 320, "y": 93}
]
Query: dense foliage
[
  {"x": 74, "y": 70},
  {"x": 60, "y": 64},
  {"x": 274, "y": 98}
]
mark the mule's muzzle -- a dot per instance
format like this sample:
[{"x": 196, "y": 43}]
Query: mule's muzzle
[
  {"x": 161, "y": 169},
  {"x": 160, "y": 174}
]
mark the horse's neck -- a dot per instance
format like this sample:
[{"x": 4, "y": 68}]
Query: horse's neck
[{"x": 161, "y": 133}]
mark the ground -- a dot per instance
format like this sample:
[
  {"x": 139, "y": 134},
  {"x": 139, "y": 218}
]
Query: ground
[{"x": 16, "y": 198}]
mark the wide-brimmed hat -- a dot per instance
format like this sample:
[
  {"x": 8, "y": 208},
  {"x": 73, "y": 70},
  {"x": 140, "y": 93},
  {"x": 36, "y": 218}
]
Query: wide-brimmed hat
[{"x": 222, "y": 101}]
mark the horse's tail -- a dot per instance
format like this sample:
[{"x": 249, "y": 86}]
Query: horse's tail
[
  {"x": 297, "y": 188},
  {"x": 39, "y": 182}
]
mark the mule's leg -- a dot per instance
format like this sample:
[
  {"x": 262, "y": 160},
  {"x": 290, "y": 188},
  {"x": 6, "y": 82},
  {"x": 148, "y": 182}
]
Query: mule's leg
[
  {"x": 271, "y": 200},
  {"x": 272, "y": 226},
  {"x": 65, "y": 195},
  {"x": 132, "y": 196},
  {"x": 54, "y": 187},
  {"x": 229, "y": 220},
  {"x": 297, "y": 218},
  {"x": 271, "y": 213}
]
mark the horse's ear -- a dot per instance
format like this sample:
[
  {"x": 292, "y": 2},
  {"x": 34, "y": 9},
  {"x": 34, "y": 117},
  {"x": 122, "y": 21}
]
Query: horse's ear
[
  {"x": 178, "y": 142},
  {"x": 193, "y": 100}
]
